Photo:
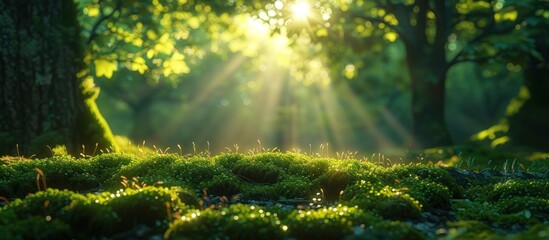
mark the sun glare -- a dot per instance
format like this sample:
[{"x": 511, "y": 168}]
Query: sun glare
[{"x": 301, "y": 10}]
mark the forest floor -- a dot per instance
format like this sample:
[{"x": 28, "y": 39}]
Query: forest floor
[{"x": 445, "y": 193}]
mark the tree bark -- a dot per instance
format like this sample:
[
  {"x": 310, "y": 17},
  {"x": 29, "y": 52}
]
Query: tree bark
[
  {"x": 43, "y": 102},
  {"x": 529, "y": 127},
  {"x": 428, "y": 85}
]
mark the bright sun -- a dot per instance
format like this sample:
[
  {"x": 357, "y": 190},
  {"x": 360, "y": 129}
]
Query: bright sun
[{"x": 301, "y": 10}]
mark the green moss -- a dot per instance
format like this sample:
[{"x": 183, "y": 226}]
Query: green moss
[
  {"x": 430, "y": 172},
  {"x": 396, "y": 193},
  {"x": 228, "y": 160},
  {"x": 35, "y": 227},
  {"x": 491, "y": 213},
  {"x": 279, "y": 160},
  {"x": 469, "y": 230},
  {"x": 45, "y": 203},
  {"x": 387, "y": 230},
  {"x": 223, "y": 185},
  {"x": 294, "y": 187},
  {"x": 148, "y": 170},
  {"x": 429, "y": 194},
  {"x": 65, "y": 172},
  {"x": 478, "y": 193},
  {"x": 155, "y": 207},
  {"x": 82, "y": 214},
  {"x": 259, "y": 192},
  {"x": 19, "y": 178},
  {"x": 93, "y": 128},
  {"x": 388, "y": 202},
  {"x": 235, "y": 222},
  {"x": 519, "y": 188},
  {"x": 310, "y": 168},
  {"x": 334, "y": 182},
  {"x": 327, "y": 223},
  {"x": 525, "y": 205},
  {"x": 256, "y": 172},
  {"x": 105, "y": 166},
  {"x": 538, "y": 231},
  {"x": 195, "y": 171}
]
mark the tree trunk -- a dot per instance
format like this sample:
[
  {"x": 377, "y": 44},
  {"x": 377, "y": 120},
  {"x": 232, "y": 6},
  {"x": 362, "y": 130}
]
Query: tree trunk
[
  {"x": 428, "y": 81},
  {"x": 43, "y": 102},
  {"x": 528, "y": 127}
]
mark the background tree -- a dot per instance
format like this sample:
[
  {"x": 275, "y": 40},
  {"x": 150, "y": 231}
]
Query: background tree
[
  {"x": 436, "y": 35},
  {"x": 44, "y": 100}
]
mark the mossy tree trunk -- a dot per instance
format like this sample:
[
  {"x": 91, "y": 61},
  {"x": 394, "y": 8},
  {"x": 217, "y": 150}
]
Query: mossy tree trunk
[{"x": 43, "y": 102}]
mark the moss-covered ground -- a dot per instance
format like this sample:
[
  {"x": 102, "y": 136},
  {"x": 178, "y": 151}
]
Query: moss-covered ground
[{"x": 436, "y": 194}]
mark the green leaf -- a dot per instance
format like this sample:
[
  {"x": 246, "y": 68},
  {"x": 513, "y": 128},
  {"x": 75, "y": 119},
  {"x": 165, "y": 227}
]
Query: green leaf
[
  {"x": 527, "y": 214},
  {"x": 104, "y": 67}
]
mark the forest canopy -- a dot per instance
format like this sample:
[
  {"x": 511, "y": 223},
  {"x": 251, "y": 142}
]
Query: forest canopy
[{"x": 361, "y": 75}]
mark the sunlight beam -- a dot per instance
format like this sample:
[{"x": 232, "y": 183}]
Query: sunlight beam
[{"x": 301, "y": 10}]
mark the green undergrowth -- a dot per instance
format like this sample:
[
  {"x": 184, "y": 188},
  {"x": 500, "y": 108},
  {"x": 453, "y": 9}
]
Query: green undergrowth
[{"x": 267, "y": 195}]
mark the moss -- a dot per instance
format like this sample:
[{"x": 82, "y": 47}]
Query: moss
[
  {"x": 327, "y": 223},
  {"x": 223, "y": 185},
  {"x": 228, "y": 160},
  {"x": 19, "y": 178},
  {"x": 255, "y": 172},
  {"x": 538, "y": 231},
  {"x": 105, "y": 166},
  {"x": 396, "y": 193},
  {"x": 259, "y": 192},
  {"x": 490, "y": 213},
  {"x": 293, "y": 187},
  {"x": 187, "y": 196},
  {"x": 469, "y": 230},
  {"x": 45, "y": 203},
  {"x": 429, "y": 194},
  {"x": 156, "y": 206},
  {"x": 65, "y": 172},
  {"x": 333, "y": 183},
  {"x": 519, "y": 188},
  {"x": 83, "y": 214},
  {"x": 388, "y": 202},
  {"x": 310, "y": 168},
  {"x": 235, "y": 222},
  {"x": 386, "y": 230},
  {"x": 525, "y": 205},
  {"x": 279, "y": 160},
  {"x": 478, "y": 193},
  {"x": 148, "y": 170},
  {"x": 430, "y": 172},
  {"x": 93, "y": 128},
  {"x": 195, "y": 171},
  {"x": 35, "y": 227}
]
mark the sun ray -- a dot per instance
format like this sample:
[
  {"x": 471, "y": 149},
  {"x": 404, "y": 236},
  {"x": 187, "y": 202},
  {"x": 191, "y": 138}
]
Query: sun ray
[
  {"x": 215, "y": 82},
  {"x": 301, "y": 10}
]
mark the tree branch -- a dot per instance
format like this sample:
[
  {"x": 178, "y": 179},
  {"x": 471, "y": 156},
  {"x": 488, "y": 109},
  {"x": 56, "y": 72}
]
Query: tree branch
[
  {"x": 490, "y": 30},
  {"x": 101, "y": 19},
  {"x": 478, "y": 59},
  {"x": 375, "y": 20}
]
